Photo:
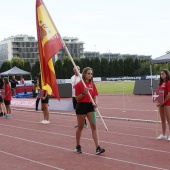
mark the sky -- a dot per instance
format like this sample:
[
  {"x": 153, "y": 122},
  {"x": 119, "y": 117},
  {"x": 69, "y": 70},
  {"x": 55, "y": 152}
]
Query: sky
[{"x": 139, "y": 27}]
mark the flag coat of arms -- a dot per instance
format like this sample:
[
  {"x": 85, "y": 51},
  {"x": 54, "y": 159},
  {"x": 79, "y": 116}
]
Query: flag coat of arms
[
  {"x": 49, "y": 43},
  {"x": 158, "y": 96}
]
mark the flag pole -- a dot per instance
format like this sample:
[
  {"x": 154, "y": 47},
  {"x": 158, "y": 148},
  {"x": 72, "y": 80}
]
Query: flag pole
[{"x": 65, "y": 47}]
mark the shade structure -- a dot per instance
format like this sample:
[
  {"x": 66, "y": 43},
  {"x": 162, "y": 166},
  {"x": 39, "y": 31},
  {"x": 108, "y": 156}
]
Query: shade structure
[
  {"x": 15, "y": 71},
  {"x": 162, "y": 59}
]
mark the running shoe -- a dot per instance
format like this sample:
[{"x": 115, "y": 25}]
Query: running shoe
[
  {"x": 162, "y": 136},
  {"x": 8, "y": 116},
  {"x": 76, "y": 126},
  {"x": 43, "y": 122},
  {"x": 99, "y": 150},
  {"x": 78, "y": 149},
  {"x": 85, "y": 126},
  {"x": 168, "y": 138},
  {"x": 47, "y": 122}
]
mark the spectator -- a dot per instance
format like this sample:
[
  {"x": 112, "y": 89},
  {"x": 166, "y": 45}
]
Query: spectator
[
  {"x": 13, "y": 82},
  {"x": 22, "y": 80}
]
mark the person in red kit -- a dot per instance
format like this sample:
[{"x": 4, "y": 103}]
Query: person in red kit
[
  {"x": 85, "y": 108},
  {"x": 7, "y": 97},
  {"x": 164, "y": 109}
]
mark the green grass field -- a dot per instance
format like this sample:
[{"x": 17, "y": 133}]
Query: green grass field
[{"x": 115, "y": 87}]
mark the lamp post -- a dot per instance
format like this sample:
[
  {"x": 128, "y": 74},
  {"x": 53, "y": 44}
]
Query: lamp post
[{"x": 95, "y": 50}]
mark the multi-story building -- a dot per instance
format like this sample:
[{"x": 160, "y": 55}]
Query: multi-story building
[
  {"x": 26, "y": 47},
  {"x": 22, "y": 46},
  {"x": 74, "y": 46},
  {"x": 115, "y": 56}
]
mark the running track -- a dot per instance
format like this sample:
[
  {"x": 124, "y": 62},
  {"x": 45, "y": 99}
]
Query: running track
[{"x": 130, "y": 143}]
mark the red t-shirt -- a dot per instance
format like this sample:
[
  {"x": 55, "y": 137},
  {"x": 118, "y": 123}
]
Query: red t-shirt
[
  {"x": 166, "y": 88},
  {"x": 79, "y": 88},
  {"x": 8, "y": 89}
]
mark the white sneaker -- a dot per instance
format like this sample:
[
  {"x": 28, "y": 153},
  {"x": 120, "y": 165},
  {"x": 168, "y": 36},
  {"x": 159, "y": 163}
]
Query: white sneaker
[
  {"x": 43, "y": 121},
  {"x": 162, "y": 136},
  {"x": 46, "y": 122},
  {"x": 168, "y": 138}
]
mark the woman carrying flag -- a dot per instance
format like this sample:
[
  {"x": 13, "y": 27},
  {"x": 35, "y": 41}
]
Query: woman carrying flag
[{"x": 85, "y": 108}]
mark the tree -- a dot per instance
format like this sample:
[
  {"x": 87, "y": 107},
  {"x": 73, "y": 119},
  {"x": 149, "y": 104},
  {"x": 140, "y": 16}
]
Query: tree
[
  {"x": 104, "y": 67},
  {"x": 128, "y": 66},
  {"x": 58, "y": 67},
  {"x": 96, "y": 65},
  {"x": 35, "y": 69},
  {"x": 6, "y": 65},
  {"x": 67, "y": 68},
  {"x": 18, "y": 62},
  {"x": 27, "y": 67}
]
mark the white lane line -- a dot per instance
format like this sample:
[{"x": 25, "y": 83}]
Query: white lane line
[
  {"x": 108, "y": 158},
  {"x": 109, "y": 124},
  {"x": 112, "y": 143},
  {"x": 103, "y": 131},
  {"x": 20, "y": 157},
  {"x": 115, "y": 118}
]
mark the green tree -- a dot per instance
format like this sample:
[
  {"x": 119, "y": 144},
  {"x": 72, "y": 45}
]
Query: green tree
[
  {"x": 120, "y": 67},
  {"x": 104, "y": 68},
  {"x": 6, "y": 65},
  {"x": 58, "y": 67},
  {"x": 78, "y": 62},
  {"x": 96, "y": 65},
  {"x": 18, "y": 62},
  {"x": 67, "y": 68},
  {"x": 27, "y": 67},
  {"x": 35, "y": 69},
  {"x": 128, "y": 66}
]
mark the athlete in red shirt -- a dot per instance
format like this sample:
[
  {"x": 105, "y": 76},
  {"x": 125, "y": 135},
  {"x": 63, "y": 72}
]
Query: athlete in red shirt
[
  {"x": 85, "y": 108},
  {"x": 7, "y": 97},
  {"x": 164, "y": 109}
]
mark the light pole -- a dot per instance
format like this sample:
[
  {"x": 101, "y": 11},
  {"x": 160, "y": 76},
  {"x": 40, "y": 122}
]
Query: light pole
[{"x": 95, "y": 50}]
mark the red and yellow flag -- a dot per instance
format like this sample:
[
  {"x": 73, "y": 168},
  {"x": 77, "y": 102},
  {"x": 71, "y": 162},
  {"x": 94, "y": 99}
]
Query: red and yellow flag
[{"x": 49, "y": 43}]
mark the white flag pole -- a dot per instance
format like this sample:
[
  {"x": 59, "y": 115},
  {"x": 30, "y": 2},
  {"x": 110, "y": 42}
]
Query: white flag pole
[
  {"x": 83, "y": 82},
  {"x": 65, "y": 47}
]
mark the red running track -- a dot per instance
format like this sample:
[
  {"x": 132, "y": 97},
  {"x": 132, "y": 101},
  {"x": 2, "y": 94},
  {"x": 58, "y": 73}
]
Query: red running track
[{"x": 131, "y": 145}]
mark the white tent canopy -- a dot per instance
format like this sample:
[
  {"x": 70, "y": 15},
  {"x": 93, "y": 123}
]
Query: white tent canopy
[
  {"x": 15, "y": 71},
  {"x": 162, "y": 59}
]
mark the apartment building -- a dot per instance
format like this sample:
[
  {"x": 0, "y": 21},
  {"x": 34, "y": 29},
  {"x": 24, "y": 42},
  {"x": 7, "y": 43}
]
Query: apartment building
[
  {"x": 22, "y": 46},
  {"x": 26, "y": 47}
]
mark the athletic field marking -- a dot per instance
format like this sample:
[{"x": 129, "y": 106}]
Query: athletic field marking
[
  {"x": 109, "y": 158},
  {"x": 112, "y": 143},
  {"x": 111, "y": 124},
  {"x": 53, "y": 124},
  {"x": 116, "y": 118},
  {"x": 20, "y": 157}
]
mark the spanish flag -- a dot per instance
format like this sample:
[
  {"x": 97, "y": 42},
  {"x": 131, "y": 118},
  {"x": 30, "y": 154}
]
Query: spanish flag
[{"x": 49, "y": 43}]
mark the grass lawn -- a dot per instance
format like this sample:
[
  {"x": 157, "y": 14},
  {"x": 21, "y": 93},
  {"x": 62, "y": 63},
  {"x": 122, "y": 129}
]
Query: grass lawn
[{"x": 115, "y": 87}]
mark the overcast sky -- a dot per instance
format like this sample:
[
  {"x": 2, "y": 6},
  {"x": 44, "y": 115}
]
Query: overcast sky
[{"x": 120, "y": 26}]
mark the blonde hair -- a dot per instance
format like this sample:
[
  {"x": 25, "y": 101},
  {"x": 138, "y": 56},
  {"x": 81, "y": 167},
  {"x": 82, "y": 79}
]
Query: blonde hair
[{"x": 6, "y": 81}]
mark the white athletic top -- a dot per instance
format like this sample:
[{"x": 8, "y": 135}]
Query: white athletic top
[{"x": 74, "y": 81}]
